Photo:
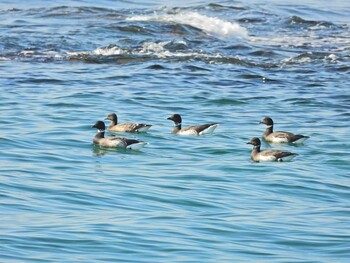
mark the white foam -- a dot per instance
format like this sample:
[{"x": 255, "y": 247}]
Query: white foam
[
  {"x": 27, "y": 53},
  {"x": 159, "y": 49},
  {"x": 210, "y": 25},
  {"x": 308, "y": 58},
  {"x": 108, "y": 51},
  {"x": 313, "y": 40},
  {"x": 297, "y": 60},
  {"x": 152, "y": 47},
  {"x": 284, "y": 41},
  {"x": 332, "y": 58},
  {"x": 317, "y": 27},
  {"x": 105, "y": 51}
]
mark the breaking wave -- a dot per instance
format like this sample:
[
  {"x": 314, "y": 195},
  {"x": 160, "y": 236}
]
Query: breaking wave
[{"x": 210, "y": 25}]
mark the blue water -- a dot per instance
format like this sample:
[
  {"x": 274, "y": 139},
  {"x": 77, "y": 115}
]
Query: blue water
[{"x": 66, "y": 64}]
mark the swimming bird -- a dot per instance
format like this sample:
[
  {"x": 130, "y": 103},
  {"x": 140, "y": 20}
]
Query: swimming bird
[
  {"x": 280, "y": 136},
  {"x": 268, "y": 155},
  {"x": 114, "y": 126},
  {"x": 114, "y": 142},
  {"x": 191, "y": 130}
]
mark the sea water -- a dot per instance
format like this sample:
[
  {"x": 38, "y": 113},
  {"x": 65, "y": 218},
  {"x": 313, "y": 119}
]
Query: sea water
[{"x": 66, "y": 64}]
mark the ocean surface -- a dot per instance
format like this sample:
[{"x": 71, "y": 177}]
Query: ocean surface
[{"x": 66, "y": 64}]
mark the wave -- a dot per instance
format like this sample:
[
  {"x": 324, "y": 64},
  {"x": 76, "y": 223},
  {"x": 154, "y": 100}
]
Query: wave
[
  {"x": 297, "y": 20},
  {"x": 311, "y": 57},
  {"x": 148, "y": 50},
  {"x": 175, "y": 51},
  {"x": 177, "y": 35},
  {"x": 210, "y": 25},
  {"x": 331, "y": 43},
  {"x": 178, "y": 51}
]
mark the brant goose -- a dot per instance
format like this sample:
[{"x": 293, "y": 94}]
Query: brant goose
[
  {"x": 268, "y": 155},
  {"x": 114, "y": 126},
  {"x": 280, "y": 136},
  {"x": 191, "y": 130},
  {"x": 114, "y": 142}
]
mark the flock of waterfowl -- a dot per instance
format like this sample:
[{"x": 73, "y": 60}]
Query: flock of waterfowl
[{"x": 256, "y": 155}]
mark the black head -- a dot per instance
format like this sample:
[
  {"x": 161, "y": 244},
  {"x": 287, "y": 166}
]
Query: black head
[
  {"x": 111, "y": 117},
  {"x": 175, "y": 118},
  {"x": 267, "y": 121},
  {"x": 100, "y": 125},
  {"x": 255, "y": 141}
]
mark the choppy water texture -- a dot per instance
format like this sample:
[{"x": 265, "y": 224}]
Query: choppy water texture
[{"x": 65, "y": 65}]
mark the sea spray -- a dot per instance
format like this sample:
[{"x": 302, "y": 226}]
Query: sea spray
[{"x": 210, "y": 25}]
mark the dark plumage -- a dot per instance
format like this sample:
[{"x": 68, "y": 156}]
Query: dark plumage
[
  {"x": 114, "y": 126},
  {"x": 268, "y": 155},
  {"x": 191, "y": 130},
  {"x": 114, "y": 142},
  {"x": 280, "y": 136}
]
